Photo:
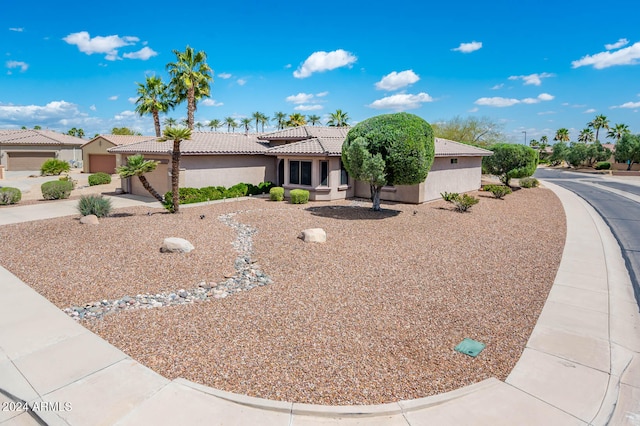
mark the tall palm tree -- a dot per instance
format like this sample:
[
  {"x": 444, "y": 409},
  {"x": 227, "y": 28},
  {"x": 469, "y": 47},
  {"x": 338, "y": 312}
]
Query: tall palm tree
[
  {"x": 618, "y": 131},
  {"x": 190, "y": 78},
  {"x": 177, "y": 135},
  {"x": 586, "y": 136},
  {"x": 600, "y": 122},
  {"x": 257, "y": 116},
  {"x": 153, "y": 98},
  {"x": 198, "y": 125},
  {"x": 72, "y": 131},
  {"x": 246, "y": 123},
  {"x": 562, "y": 135},
  {"x": 264, "y": 119},
  {"x": 80, "y": 132},
  {"x": 338, "y": 119},
  {"x": 313, "y": 119},
  {"x": 231, "y": 123},
  {"x": 170, "y": 122},
  {"x": 544, "y": 140},
  {"x": 296, "y": 120},
  {"x": 138, "y": 166},
  {"x": 214, "y": 124},
  {"x": 281, "y": 120}
]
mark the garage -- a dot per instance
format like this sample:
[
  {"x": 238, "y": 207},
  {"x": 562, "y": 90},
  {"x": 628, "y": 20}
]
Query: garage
[
  {"x": 105, "y": 163},
  {"x": 27, "y": 160}
]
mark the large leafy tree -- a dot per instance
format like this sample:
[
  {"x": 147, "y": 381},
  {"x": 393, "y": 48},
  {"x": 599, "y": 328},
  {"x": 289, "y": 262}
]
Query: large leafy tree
[
  {"x": 562, "y": 135},
  {"x": 618, "y": 131},
  {"x": 190, "y": 79},
  {"x": 389, "y": 149},
  {"x": 628, "y": 149},
  {"x": 296, "y": 120},
  {"x": 559, "y": 151},
  {"x": 338, "y": 119},
  {"x": 138, "y": 166},
  {"x": 124, "y": 131},
  {"x": 510, "y": 161},
  {"x": 177, "y": 135},
  {"x": 586, "y": 136},
  {"x": 281, "y": 120},
  {"x": 480, "y": 131},
  {"x": 600, "y": 122},
  {"x": 153, "y": 98}
]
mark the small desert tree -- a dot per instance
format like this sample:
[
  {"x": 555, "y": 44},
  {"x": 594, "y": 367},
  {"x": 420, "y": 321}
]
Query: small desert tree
[
  {"x": 389, "y": 149},
  {"x": 510, "y": 161},
  {"x": 138, "y": 166}
]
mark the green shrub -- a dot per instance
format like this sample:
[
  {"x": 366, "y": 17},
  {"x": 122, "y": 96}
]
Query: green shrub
[
  {"x": 238, "y": 188},
  {"x": 449, "y": 196},
  {"x": 67, "y": 178},
  {"x": 265, "y": 187},
  {"x": 299, "y": 196},
  {"x": 186, "y": 196},
  {"x": 9, "y": 195},
  {"x": 94, "y": 204},
  {"x": 464, "y": 203},
  {"x": 53, "y": 166},
  {"x": 56, "y": 189},
  {"x": 276, "y": 193},
  {"x": 211, "y": 193},
  {"x": 529, "y": 182},
  {"x": 603, "y": 165},
  {"x": 498, "y": 191},
  {"x": 99, "y": 178}
]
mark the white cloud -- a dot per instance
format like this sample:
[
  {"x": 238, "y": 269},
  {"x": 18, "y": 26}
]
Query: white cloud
[
  {"x": 18, "y": 64},
  {"x": 300, "y": 98},
  {"x": 132, "y": 100},
  {"x": 287, "y": 66},
  {"x": 628, "y": 105},
  {"x": 627, "y": 56},
  {"x": 468, "y": 47},
  {"x": 241, "y": 81},
  {"x": 324, "y": 61},
  {"x": 589, "y": 111},
  {"x": 546, "y": 113},
  {"x": 618, "y": 44},
  {"x": 224, "y": 75},
  {"x": 18, "y": 30},
  {"x": 474, "y": 109},
  {"x": 396, "y": 80},
  {"x": 532, "y": 79},
  {"x": 498, "y": 86},
  {"x": 322, "y": 94},
  {"x": 143, "y": 54},
  {"x": 52, "y": 112},
  {"x": 313, "y": 107},
  {"x": 501, "y": 102},
  {"x": 211, "y": 102},
  {"x": 113, "y": 98},
  {"x": 108, "y": 45},
  {"x": 125, "y": 115},
  {"x": 401, "y": 101},
  {"x": 545, "y": 97},
  {"x": 92, "y": 108}
]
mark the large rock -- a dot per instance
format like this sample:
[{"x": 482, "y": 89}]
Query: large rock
[
  {"x": 90, "y": 219},
  {"x": 313, "y": 235},
  {"x": 176, "y": 245}
]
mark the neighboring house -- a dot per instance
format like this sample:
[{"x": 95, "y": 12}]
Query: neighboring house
[
  {"x": 28, "y": 149},
  {"x": 95, "y": 157},
  {"x": 305, "y": 157}
]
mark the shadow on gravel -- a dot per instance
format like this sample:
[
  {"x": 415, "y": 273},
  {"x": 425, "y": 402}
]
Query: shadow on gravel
[{"x": 352, "y": 212}]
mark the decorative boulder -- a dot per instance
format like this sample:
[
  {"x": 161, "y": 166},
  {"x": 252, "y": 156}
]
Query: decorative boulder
[
  {"x": 176, "y": 245},
  {"x": 313, "y": 235},
  {"x": 90, "y": 219}
]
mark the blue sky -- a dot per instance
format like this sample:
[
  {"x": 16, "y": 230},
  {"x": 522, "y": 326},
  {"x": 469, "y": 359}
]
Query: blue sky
[{"x": 531, "y": 66}]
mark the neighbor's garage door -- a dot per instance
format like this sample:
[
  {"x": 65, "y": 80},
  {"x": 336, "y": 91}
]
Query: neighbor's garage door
[
  {"x": 102, "y": 163},
  {"x": 27, "y": 160}
]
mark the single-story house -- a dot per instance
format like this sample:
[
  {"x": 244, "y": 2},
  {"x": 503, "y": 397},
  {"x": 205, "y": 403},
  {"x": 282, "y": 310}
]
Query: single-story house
[
  {"x": 305, "y": 157},
  {"x": 95, "y": 157},
  {"x": 28, "y": 149}
]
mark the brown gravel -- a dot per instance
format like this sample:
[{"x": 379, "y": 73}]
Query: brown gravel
[{"x": 372, "y": 316}]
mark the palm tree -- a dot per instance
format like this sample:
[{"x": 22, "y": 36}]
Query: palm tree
[
  {"x": 153, "y": 98},
  {"x": 313, "y": 119},
  {"x": 170, "y": 122},
  {"x": 562, "y": 135},
  {"x": 338, "y": 119},
  {"x": 257, "y": 116},
  {"x": 296, "y": 120},
  {"x": 618, "y": 131},
  {"x": 80, "y": 132},
  {"x": 586, "y": 136},
  {"x": 72, "y": 132},
  {"x": 214, "y": 124},
  {"x": 138, "y": 166},
  {"x": 246, "y": 122},
  {"x": 231, "y": 123},
  {"x": 264, "y": 119},
  {"x": 198, "y": 125},
  {"x": 600, "y": 122},
  {"x": 177, "y": 135},
  {"x": 544, "y": 140},
  {"x": 190, "y": 78},
  {"x": 281, "y": 119},
  {"x": 534, "y": 143}
]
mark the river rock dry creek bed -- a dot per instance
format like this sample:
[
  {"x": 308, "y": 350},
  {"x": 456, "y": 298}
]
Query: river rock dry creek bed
[{"x": 371, "y": 316}]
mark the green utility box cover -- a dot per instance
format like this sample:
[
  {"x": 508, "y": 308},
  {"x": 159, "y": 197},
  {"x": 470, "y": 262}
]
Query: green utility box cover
[{"x": 470, "y": 347}]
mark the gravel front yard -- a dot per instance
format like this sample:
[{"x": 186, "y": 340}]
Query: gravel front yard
[{"x": 371, "y": 316}]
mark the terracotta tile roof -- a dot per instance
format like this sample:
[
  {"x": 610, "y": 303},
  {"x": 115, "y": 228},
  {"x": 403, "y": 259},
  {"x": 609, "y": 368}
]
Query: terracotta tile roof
[
  {"x": 37, "y": 137},
  {"x": 315, "y": 146},
  {"x": 122, "y": 139},
  {"x": 447, "y": 148},
  {"x": 201, "y": 143},
  {"x": 306, "y": 132}
]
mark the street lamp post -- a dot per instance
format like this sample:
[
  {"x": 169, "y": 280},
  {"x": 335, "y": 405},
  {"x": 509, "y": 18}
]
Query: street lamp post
[{"x": 525, "y": 137}]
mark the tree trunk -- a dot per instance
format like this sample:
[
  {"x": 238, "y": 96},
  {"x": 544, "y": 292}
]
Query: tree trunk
[
  {"x": 146, "y": 185},
  {"x": 175, "y": 175},
  {"x": 191, "y": 105},
  {"x": 375, "y": 197},
  {"x": 156, "y": 123}
]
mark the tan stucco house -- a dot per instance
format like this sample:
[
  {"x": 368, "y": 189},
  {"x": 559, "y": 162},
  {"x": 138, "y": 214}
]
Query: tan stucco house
[
  {"x": 95, "y": 157},
  {"x": 305, "y": 157},
  {"x": 28, "y": 149}
]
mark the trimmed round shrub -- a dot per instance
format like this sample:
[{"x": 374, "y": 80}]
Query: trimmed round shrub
[
  {"x": 276, "y": 193},
  {"x": 603, "y": 165},
  {"x": 9, "y": 195},
  {"x": 99, "y": 178},
  {"x": 94, "y": 204},
  {"x": 529, "y": 182},
  {"x": 299, "y": 196},
  {"x": 53, "y": 167},
  {"x": 56, "y": 189},
  {"x": 498, "y": 191},
  {"x": 510, "y": 161}
]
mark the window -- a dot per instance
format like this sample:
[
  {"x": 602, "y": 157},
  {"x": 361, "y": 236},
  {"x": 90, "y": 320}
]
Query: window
[
  {"x": 300, "y": 172},
  {"x": 324, "y": 173},
  {"x": 454, "y": 161},
  {"x": 344, "y": 177}
]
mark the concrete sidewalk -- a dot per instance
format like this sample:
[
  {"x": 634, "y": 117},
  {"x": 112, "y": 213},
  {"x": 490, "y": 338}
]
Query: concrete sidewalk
[{"x": 581, "y": 365}]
